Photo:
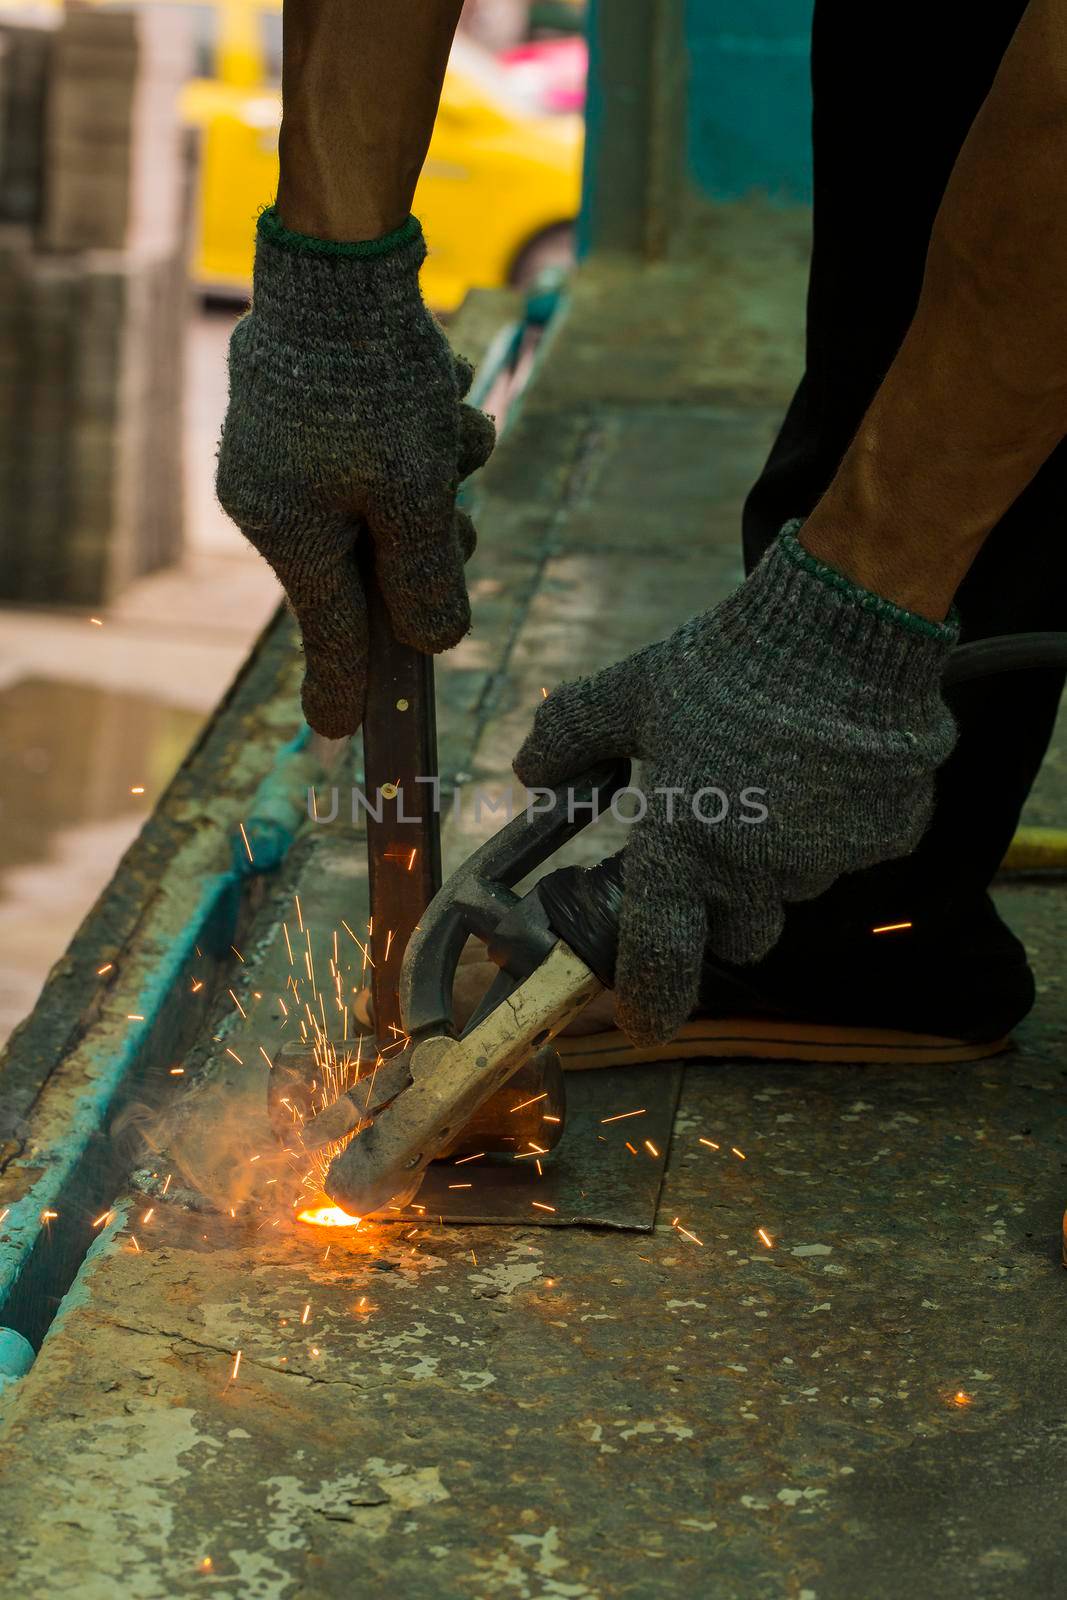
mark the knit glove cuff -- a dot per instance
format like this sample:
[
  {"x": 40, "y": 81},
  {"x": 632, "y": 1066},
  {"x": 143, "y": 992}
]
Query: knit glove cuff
[
  {"x": 316, "y": 291},
  {"x": 867, "y": 652}
]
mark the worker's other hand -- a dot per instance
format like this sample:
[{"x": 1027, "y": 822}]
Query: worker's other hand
[
  {"x": 345, "y": 422},
  {"x": 788, "y": 736}
]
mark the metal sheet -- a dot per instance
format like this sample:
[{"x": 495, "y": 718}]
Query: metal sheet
[{"x": 592, "y": 1178}]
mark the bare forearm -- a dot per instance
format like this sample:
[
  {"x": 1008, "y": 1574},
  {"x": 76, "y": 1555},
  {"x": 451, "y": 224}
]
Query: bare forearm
[
  {"x": 977, "y": 396},
  {"x": 361, "y": 81}
]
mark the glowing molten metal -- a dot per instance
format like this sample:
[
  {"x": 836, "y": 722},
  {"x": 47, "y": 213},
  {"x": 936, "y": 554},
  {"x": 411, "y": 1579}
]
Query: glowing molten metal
[{"x": 328, "y": 1217}]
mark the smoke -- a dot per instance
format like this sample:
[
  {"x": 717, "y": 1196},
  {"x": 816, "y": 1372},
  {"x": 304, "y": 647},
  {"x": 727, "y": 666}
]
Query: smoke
[{"x": 219, "y": 1150}]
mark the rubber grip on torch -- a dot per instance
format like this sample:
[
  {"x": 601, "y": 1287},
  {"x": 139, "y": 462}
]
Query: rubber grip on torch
[{"x": 583, "y": 906}]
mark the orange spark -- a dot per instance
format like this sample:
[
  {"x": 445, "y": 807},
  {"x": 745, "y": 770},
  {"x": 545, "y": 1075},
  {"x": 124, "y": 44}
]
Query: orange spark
[
  {"x": 524, "y": 1103},
  {"x": 476, "y": 1157},
  {"x": 96, "y": 622},
  {"x": 710, "y": 1143},
  {"x": 622, "y": 1115},
  {"x": 238, "y": 1004},
  {"x": 960, "y": 1398},
  {"x": 650, "y": 1147},
  {"x": 541, "y": 1207},
  {"x": 631, "y": 1147},
  {"x": 307, "y": 1312},
  {"x": 236, "y": 1367},
  {"x": 740, "y": 1154},
  {"x": 891, "y": 927},
  {"x": 176, "y": 1072},
  {"x": 765, "y": 1236},
  {"x": 247, "y": 846},
  {"x": 105, "y": 968},
  {"x": 235, "y": 1056},
  {"x": 148, "y": 1215},
  {"x": 134, "y": 1016},
  {"x": 133, "y": 1241},
  {"x": 138, "y": 788},
  {"x": 461, "y": 1186},
  {"x": 49, "y": 1216}
]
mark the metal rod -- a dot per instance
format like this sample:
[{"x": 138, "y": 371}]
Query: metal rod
[{"x": 404, "y": 847}]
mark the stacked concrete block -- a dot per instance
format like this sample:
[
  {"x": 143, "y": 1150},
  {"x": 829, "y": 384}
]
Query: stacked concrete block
[
  {"x": 92, "y": 313},
  {"x": 16, "y": 241},
  {"x": 24, "y": 57},
  {"x": 114, "y": 146}
]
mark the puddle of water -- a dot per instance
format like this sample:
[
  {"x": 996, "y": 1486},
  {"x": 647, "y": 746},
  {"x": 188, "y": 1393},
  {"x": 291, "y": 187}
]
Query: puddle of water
[{"x": 71, "y": 755}]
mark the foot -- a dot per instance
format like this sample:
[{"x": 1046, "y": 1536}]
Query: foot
[{"x": 962, "y": 974}]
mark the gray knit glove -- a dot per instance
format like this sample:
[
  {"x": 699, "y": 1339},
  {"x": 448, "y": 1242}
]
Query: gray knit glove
[
  {"x": 345, "y": 418},
  {"x": 820, "y": 696}
]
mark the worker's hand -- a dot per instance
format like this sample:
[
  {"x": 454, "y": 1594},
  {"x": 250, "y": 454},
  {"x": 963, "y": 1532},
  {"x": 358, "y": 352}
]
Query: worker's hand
[
  {"x": 346, "y": 421},
  {"x": 788, "y": 736}
]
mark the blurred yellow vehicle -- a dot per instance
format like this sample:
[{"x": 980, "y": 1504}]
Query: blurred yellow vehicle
[{"x": 498, "y": 194}]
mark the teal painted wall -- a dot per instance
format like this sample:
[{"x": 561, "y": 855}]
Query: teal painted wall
[
  {"x": 747, "y": 106},
  {"x": 750, "y": 97}
]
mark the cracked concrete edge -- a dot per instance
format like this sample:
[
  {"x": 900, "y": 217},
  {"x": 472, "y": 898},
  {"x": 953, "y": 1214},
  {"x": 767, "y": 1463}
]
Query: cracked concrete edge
[{"x": 79, "y": 1295}]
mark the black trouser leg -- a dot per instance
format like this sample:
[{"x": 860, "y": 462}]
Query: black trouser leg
[{"x": 895, "y": 92}]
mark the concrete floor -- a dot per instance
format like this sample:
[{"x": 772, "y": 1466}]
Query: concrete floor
[{"x": 873, "y": 1406}]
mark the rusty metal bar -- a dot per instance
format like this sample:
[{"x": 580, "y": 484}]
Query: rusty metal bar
[{"x": 404, "y": 846}]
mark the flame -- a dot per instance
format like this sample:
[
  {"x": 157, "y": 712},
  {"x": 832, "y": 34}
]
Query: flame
[{"x": 328, "y": 1217}]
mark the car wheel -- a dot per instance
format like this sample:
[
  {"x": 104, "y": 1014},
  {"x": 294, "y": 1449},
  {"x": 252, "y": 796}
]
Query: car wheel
[{"x": 551, "y": 248}]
